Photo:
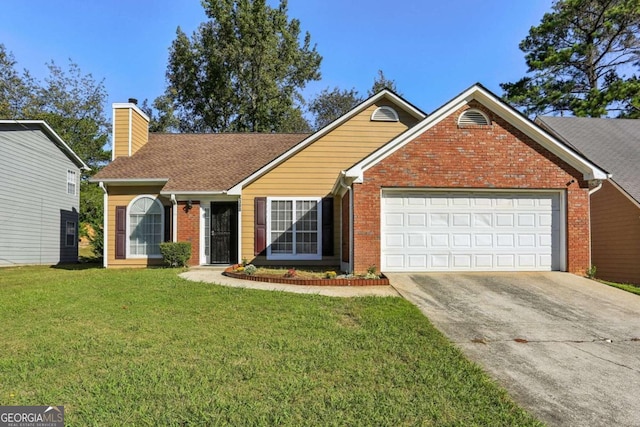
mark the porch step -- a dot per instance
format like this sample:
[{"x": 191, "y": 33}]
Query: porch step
[{"x": 210, "y": 267}]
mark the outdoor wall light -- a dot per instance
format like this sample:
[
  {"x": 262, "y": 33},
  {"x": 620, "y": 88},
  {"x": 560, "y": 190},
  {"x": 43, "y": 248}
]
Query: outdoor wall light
[{"x": 188, "y": 206}]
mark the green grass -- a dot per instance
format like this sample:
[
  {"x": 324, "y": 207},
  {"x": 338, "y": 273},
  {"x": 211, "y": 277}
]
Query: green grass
[
  {"x": 626, "y": 287},
  {"x": 144, "y": 347}
]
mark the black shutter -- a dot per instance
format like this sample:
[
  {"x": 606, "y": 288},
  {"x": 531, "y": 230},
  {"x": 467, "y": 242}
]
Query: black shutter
[
  {"x": 121, "y": 232},
  {"x": 260, "y": 225},
  {"x": 327, "y": 226},
  {"x": 168, "y": 223}
]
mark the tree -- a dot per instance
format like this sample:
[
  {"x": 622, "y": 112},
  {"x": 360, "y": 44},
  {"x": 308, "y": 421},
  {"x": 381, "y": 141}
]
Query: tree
[
  {"x": 330, "y": 105},
  {"x": 72, "y": 103},
  {"x": 380, "y": 82},
  {"x": 242, "y": 70},
  {"x": 577, "y": 57},
  {"x": 15, "y": 90},
  {"x": 161, "y": 115}
]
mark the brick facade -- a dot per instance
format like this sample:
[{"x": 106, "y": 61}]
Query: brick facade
[
  {"x": 189, "y": 228},
  {"x": 498, "y": 156}
]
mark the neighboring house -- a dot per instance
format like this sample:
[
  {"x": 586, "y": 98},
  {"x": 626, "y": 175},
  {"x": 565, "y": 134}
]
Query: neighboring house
[
  {"x": 39, "y": 195},
  {"x": 613, "y": 144},
  {"x": 473, "y": 186}
]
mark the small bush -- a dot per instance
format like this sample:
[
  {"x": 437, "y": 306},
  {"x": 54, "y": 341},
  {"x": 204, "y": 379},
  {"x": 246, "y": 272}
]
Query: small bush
[
  {"x": 291, "y": 273},
  {"x": 250, "y": 269},
  {"x": 330, "y": 274},
  {"x": 371, "y": 273},
  {"x": 176, "y": 254},
  {"x": 591, "y": 272}
]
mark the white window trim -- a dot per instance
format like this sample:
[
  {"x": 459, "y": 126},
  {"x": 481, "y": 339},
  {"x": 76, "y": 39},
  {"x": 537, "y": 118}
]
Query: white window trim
[
  {"x": 75, "y": 234},
  {"x": 296, "y": 257},
  {"x": 74, "y": 182},
  {"x": 128, "y": 220}
]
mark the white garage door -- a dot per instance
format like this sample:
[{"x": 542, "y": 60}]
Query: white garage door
[{"x": 478, "y": 231}]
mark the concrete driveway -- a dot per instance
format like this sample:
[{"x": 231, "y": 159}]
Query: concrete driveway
[{"x": 566, "y": 348}]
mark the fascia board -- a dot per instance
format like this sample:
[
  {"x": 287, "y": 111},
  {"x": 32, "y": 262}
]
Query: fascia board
[{"x": 130, "y": 181}]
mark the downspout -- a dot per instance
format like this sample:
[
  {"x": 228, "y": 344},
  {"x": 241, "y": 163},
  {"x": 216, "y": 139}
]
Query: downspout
[
  {"x": 351, "y": 236},
  {"x": 591, "y": 192},
  {"x": 105, "y": 222},
  {"x": 174, "y": 219}
]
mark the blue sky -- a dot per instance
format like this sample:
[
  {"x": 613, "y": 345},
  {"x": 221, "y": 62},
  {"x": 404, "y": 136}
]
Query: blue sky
[{"x": 433, "y": 50}]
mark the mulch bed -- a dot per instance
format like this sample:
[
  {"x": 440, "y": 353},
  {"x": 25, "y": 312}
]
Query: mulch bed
[{"x": 355, "y": 281}]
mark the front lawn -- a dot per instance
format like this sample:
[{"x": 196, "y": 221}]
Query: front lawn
[
  {"x": 144, "y": 347},
  {"x": 625, "y": 287}
]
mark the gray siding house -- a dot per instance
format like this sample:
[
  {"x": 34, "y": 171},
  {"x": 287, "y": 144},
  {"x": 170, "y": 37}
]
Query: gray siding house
[{"x": 39, "y": 195}]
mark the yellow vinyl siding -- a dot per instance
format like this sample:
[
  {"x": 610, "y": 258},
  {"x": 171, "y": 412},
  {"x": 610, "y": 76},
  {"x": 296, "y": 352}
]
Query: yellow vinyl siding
[
  {"x": 313, "y": 171},
  {"x": 139, "y": 131},
  {"x": 122, "y": 196},
  {"x": 121, "y": 133}
]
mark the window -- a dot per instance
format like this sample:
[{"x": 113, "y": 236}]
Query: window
[
  {"x": 145, "y": 227},
  {"x": 71, "y": 182},
  {"x": 294, "y": 229},
  {"x": 70, "y": 234}
]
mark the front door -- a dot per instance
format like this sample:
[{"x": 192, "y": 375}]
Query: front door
[{"x": 224, "y": 233}]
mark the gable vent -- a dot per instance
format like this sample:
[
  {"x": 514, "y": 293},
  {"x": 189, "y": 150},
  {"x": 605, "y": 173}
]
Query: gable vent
[
  {"x": 473, "y": 117},
  {"x": 384, "y": 114}
]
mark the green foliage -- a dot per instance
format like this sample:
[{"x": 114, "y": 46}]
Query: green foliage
[
  {"x": 250, "y": 269},
  {"x": 242, "y": 70},
  {"x": 119, "y": 347},
  {"x": 176, "y": 254},
  {"x": 591, "y": 272},
  {"x": 329, "y": 105},
  {"x": 578, "y": 57},
  {"x": 161, "y": 115},
  {"x": 96, "y": 239},
  {"x": 380, "y": 82}
]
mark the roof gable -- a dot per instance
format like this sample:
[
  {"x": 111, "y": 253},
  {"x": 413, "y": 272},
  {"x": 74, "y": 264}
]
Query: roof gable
[
  {"x": 613, "y": 144},
  {"x": 489, "y": 100},
  {"x": 27, "y": 125},
  {"x": 382, "y": 95}
]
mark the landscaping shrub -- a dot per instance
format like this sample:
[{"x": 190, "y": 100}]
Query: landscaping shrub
[{"x": 176, "y": 254}]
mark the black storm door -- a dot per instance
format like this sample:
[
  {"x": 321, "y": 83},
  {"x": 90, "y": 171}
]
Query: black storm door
[{"x": 224, "y": 233}]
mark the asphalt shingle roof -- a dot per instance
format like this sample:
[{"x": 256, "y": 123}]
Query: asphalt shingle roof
[
  {"x": 200, "y": 162},
  {"x": 613, "y": 144}
]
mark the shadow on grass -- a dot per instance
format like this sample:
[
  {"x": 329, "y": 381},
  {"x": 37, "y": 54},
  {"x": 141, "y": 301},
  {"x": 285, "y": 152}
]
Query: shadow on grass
[{"x": 84, "y": 263}]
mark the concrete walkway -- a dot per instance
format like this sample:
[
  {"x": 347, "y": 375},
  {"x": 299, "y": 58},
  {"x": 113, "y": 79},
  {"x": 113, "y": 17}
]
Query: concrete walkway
[{"x": 213, "y": 275}]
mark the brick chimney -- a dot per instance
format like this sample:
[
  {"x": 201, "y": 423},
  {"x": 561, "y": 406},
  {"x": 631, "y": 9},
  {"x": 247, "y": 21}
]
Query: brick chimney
[{"x": 130, "y": 129}]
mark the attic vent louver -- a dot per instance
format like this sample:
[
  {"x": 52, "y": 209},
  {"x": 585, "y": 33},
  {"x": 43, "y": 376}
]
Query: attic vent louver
[
  {"x": 384, "y": 114},
  {"x": 473, "y": 117}
]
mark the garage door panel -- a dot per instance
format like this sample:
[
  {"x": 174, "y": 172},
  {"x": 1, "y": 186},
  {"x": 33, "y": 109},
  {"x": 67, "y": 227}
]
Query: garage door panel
[{"x": 470, "y": 231}]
